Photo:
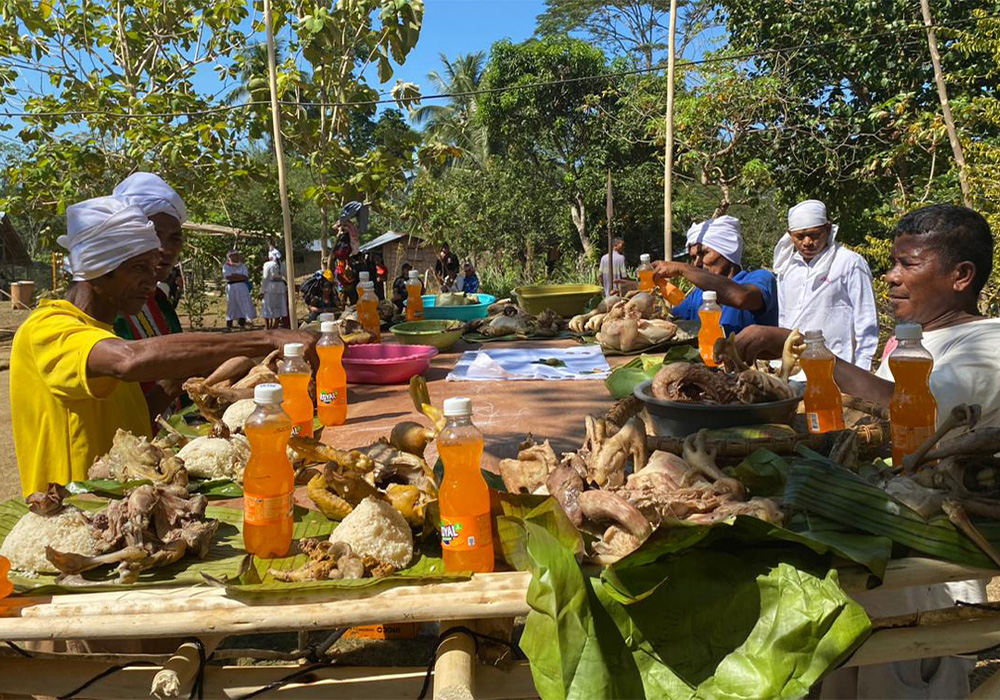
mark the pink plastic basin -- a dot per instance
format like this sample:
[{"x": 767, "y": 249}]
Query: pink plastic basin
[{"x": 386, "y": 363}]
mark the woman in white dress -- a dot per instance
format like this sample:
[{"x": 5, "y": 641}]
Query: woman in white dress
[
  {"x": 239, "y": 305},
  {"x": 274, "y": 306}
]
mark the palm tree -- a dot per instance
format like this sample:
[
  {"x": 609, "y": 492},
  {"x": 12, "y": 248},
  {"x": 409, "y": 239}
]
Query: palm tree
[{"x": 454, "y": 124}]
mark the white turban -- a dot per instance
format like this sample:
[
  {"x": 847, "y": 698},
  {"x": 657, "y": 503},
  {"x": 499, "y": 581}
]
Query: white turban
[
  {"x": 104, "y": 232},
  {"x": 151, "y": 194},
  {"x": 723, "y": 234},
  {"x": 808, "y": 214}
]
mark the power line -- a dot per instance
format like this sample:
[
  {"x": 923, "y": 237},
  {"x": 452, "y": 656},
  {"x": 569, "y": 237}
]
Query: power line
[{"x": 488, "y": 91}]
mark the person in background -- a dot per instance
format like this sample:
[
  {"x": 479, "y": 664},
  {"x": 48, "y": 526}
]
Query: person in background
[
  {"x": 320, "y": 295},
  {"x": 274, "y": 292},
  {"x": 716, "y": 250},
  {"x": 470, "y": 280},
  {"x": 380, "y": 275},
  {"x": 176, "y": 284},
  {"x": 823, "y": 286},
  {"x": 239, "y": 304},
  {"x": 446, "y": 266},
  {"x": 73, "y": 382},
  {"x": 614, "y": 273},
  {"x": 399, "y": 292},
  {"x": 348, "y": 280}
]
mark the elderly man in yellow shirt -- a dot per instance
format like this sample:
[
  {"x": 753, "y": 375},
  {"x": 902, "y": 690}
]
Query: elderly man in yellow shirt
[{"x": 73, "y": 382}]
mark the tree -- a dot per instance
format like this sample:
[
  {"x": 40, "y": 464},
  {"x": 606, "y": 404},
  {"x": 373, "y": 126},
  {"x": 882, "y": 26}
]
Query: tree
[{"x": 455, "y": 123}]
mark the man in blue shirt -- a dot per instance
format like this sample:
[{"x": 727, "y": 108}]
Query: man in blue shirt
[{"x": 716, "y": 250}]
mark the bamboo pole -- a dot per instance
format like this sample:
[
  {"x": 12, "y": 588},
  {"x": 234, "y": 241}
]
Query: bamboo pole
[
  {"x": 455, "y": 667},
  {"x": 942, "y": 89},
  {"x": 611, "y": 247},
  {"x": 279, "y": 155},
  {"x": 668, "y": 156}
]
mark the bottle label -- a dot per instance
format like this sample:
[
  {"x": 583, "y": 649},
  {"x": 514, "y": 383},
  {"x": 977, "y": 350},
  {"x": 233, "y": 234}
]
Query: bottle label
[
  {"x": 328, "y": 398},
  {"x": 906, "y": 439},
  {"x": 825, "y": 421},
  {"x": 305, "y": 429},
  {"x": 463, "y": 534},
  {"x": 260, "y": 510}
]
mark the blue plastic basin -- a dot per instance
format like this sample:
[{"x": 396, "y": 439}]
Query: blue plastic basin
[{"x": 457, "y": 313}]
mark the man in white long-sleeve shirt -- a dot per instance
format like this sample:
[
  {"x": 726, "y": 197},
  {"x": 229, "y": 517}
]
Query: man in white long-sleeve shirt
[{"x": 824, "y": 286}]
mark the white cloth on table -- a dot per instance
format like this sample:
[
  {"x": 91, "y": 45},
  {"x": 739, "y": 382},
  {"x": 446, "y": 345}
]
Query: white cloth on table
[
  {"x": 832, "y": 293},
  {"x": 512, "y": 364},
  {"x": 275, "y": 297},
  {"x": 238, "y": 302},
  {"x": 102, "y": 233},
  {"x": 152, "y": 194},
  {"x": 618, "y": 271}
]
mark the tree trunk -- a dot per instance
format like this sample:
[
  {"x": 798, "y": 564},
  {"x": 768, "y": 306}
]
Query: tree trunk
[{"x": 579, "y": 213}]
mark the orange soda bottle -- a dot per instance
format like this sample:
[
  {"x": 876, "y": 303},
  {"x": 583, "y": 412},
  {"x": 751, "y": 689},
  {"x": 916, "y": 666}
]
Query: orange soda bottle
[
  {"x": 368, "y": 312},
  {"x": 913, "y": 409},
  {"x": 331, "y": 379},
  {"x": 710, "y": 314},
  {"x": 6, "y": 587},
  {"x": 824, "y": 407},
  {"x": 645, "y": 272},
  {"x": 464, "y": 497},
  {"x": 268, "y": 480},
  {"x": 363, "y": 278},
  {"x": 668, "y": 291},
  {"x": 414, "y": 302},
  {"x": 294, "y": 374}
]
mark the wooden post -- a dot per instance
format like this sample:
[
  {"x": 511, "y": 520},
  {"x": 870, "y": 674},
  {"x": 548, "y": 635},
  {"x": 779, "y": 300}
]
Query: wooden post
[
  {"x": 942, "y": 89},
  {"x": 454, "y": 670},
  {"x": 668, "y": 156},
  {"x": 611, "y": 241},
  {"x": 279, "y": 155}
]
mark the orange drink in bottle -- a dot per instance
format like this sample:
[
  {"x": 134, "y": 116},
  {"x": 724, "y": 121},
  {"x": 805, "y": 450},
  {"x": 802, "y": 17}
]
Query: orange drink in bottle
[
  {"x": 414, "y": 301},
  {"x": 331, "y": 379},
  {"x": 668, "y": 291},
  {"x": 824, "y": 406},
  {"x": 268, "y": 480},
  {"x": 710, "y": 314},
  {"x": 645, "y": 272},
  {"x": 363, "y": 278},
  {"x": 294, "y": 374},
  {"x": 464, "y": 497},
  {"x": 368, "y": 312},
  {"x": 913, "y": 409}
]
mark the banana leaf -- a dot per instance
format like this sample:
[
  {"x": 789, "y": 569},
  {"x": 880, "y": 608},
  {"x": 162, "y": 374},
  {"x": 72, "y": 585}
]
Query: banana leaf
[
  {"x": 763, "y": 473},
  {"x": 624, "y": 378},
  {"x": 213, "y": 489},
  {"x": 741, "y": 619}
]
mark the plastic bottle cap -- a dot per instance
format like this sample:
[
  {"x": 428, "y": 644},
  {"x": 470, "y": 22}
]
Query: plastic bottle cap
[
  {"x": 268, "y": 393},
  {"x": 328, "y": 327},
  {"x": 708, "y": 296},
  {"x": 909, "y": 331},
  {"x": 644, "y": 258},
  {"x": 294, "y": 350},
  {"x": 364, "y": 276},
  {"x": 414, "y": 275},
  {"x": 813, "y": 335},
  {"x": 459, "y": 406},
  {"x": 325, "y": 317}
]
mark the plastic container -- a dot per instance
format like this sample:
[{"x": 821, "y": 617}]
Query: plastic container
[
  {"x": 824, "y": 406},
  {"x": 368, "y": 312},
  {"x": 673, "y": 295},
  {"x": 414, "y": 301},
  {"x": 469, "y": 312},
  {"x": 913, "y": 408},
  {"x": 386, "y": 363},
  {"x": 268, "y": 480},
  {"x": 331, "y": 379},
  {"x": 710, "y": 314},
  {"x": 440, "y": 334},
  {"x": 464, "y": 497},
  {"x": 294, "y": 373},
  {"x": 645, "y": 272},
  {"x": 567, "y": 300}
]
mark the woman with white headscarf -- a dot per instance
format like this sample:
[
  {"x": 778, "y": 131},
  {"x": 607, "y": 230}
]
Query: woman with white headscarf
[
  {"x": 239, "y": 305},
  {"x": 274, "y": 295},
  {"x": 823, "y": 286},
  {"x": 716, "y": 249}
]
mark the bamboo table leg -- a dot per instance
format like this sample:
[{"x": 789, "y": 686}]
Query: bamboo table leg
[
  {"x": 990, "y": 688},
  {"x": 454, "y": 670},
  {"x": 181, "y": 669}
]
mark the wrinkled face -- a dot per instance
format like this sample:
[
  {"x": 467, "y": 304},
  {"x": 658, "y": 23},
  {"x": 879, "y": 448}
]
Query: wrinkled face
[
  {"x": 171, "y": 236},
  {"x": 810, "y": 242},
  {"x": 127, "y": 287},
  {"x": 710, "y": 260},
  {"x": 921, "y": 286}
]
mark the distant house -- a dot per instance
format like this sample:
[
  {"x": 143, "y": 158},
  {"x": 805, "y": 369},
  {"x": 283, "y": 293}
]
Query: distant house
[{"x": 397, "y": 248}]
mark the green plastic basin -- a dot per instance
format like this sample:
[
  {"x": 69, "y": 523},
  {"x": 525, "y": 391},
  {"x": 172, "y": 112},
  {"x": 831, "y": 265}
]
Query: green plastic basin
[
  {"x": 440, "y": 334},
  {"x": 565, "y": 299}
]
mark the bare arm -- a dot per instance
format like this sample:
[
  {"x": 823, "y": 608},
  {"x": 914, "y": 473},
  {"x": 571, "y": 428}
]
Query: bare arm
[
  {"x": 184, "y": 355},
  {"x": 746, "y": 297}
]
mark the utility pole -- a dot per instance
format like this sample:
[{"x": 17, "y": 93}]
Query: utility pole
[{"x": 942, "y": 89}]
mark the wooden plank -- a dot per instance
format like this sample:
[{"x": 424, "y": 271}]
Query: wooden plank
[
  {"x": 926, "y": 641},
  {"x": 912, "y": 571}
]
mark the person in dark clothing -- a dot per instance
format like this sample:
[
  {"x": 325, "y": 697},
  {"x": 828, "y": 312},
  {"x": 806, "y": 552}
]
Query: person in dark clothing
[
  {"x": 399, "y": 292},
  {"x": 446, "y": 265},
  {"x": 321, "y": 296}
]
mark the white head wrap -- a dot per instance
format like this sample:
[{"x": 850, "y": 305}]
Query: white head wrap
[
  {"x": 104, "y": 232},
  {"x": 151, "y": 194},
  {"x": 808, "y": 214},
  {"x": 274, "y": 254},
  {"x": 723, "y": 234}
]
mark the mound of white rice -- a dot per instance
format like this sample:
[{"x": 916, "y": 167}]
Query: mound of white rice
[
  {"x": 216, "y": 458},
  {"x": 376, "y": 529},
  {"x": 236, "y": 415},
  {"x": 67, "y": 531}
]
